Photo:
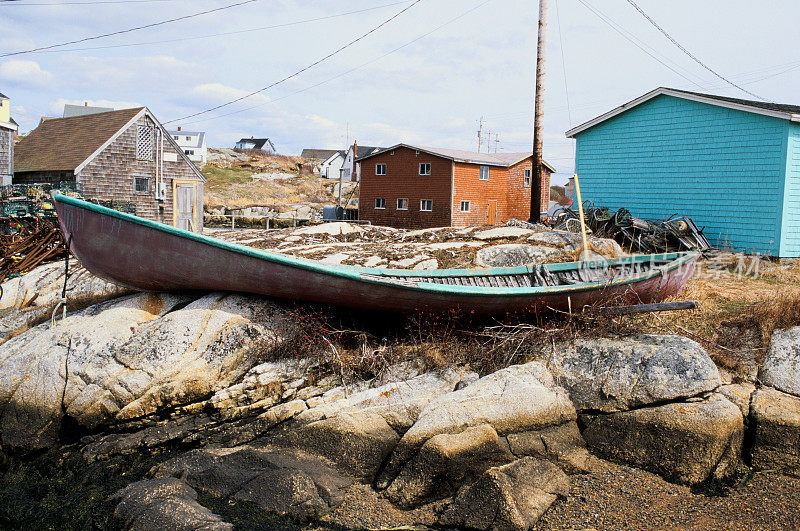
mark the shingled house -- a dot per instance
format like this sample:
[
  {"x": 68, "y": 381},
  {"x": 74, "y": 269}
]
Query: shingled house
[
  {"x": 419, "y": 187},
  {"x": 124, "y": 155},
  {"x": 8, "y": 129}
]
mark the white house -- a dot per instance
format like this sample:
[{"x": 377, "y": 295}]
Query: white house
[
  {"x": 193, "y": 144},
  {"x": 346, "y": 168},
  {"x": 331, "y": 166}
]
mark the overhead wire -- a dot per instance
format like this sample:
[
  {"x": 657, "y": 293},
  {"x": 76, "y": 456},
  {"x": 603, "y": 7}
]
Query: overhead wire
[
  {"x": 222, "y": 34},
  {"x": 688, "y": 53},
  {"x": 346, "y": 72},
  {"x": 297, "y": 73},
  {"x": 613, "y": 26},
  {"x": 129, "y": 30}
]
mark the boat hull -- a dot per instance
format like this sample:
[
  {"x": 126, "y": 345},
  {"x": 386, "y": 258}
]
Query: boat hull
[{"x": 153, "y": 257}]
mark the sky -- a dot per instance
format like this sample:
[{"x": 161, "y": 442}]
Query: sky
[{"x": 425, "y": 78}]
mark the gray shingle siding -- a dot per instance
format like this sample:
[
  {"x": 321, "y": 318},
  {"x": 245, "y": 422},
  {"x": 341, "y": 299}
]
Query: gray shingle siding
[{"x": 6, "y": 155}]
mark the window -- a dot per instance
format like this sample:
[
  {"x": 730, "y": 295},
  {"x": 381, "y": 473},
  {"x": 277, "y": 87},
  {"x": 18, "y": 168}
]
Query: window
[
  {"x": 425, "y": 205},
  {"x": 380, "y": 202},
  {"x": 188, "y": 151},
  {"x": 484, "y": 175},
  {"x": 380, "y": 169},
  {"x": 402, "y": 204},
  {"x": 188, "y": 138},
  {"x": 142, "y": 185},
  {"x": 527, "y": 178},
  {"x": 175, "y": 137},
  {"x": 144, "y": 143},
  {"x": 424, "y": 168},
  {"x": 464, "y": 206}
]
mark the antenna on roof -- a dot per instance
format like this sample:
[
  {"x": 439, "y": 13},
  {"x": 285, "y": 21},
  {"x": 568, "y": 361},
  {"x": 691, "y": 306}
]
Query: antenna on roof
[{"x": 480, "y": 130}]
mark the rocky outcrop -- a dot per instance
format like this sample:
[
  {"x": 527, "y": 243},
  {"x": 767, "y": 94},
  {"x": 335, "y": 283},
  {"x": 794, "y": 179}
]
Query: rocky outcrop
[
  {"x": 285, "y": 482},
  {"x": 166, "y": 503},
  {"x": 562, "y": 444},
  {"x": 510, "y": 497},
  {"x": 516, "y": 399},
  {"x": 445, "y": 462},
  {"x": 776, "y": 431},
  {"x": 611, "y": 375},
  {"x": 781, "y": 368},
  {"x": 515, "y": 254},
  {"x": 686, "y": 442},
  {"x": 126, "y": 359}
]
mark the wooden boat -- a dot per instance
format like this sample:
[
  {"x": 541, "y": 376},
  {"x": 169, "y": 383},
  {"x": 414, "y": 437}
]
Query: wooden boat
[{"x": 151, "y": 256}]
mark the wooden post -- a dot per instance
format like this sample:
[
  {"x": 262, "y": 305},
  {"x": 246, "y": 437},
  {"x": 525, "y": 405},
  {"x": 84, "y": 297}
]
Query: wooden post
[{"x": 538, "y": 119}]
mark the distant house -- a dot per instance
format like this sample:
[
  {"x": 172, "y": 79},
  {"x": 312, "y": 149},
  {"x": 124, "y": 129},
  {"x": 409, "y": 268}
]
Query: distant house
[
  {"x": 255, "y": 143},
  {"x": 193, "y": 144},
  {"x": 332, "y": 166},
  {"x": 8, "y": 129},
  {"x": 82, "y": 110},
  {"x": 418, "y": 187},
  {"x": 732, "y": 165},
  {"x": 351, "y": 161},
  {"x": 123, "y": 156}
]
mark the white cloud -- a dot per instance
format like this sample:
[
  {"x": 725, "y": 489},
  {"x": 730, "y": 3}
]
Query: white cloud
[{"x": 25, "y": 74}]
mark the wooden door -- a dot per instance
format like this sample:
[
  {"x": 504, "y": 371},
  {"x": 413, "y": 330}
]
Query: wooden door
[
  {"x": 492, "y": 209},
  {"x": 184, "y": 193}
]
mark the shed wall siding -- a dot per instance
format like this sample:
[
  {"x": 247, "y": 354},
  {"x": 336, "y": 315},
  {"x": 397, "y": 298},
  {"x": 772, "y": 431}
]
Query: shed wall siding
[
  {"x": 112, "y": 174},
  {"x": 790, "y": 229},
  {"x": 722, "y": 167}
]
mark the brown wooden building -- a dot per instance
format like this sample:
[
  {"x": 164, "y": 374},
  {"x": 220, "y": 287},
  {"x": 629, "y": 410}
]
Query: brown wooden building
[
  {"x": 417, "y": 187},
  {"x": 124, "y": 156}
]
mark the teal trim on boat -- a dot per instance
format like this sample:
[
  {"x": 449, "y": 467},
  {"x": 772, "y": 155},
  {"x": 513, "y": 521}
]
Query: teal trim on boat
[{"x": 385, "y": 276}]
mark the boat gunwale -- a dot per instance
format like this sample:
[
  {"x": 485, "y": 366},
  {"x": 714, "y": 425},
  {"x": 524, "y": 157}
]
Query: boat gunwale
[{"x": 671, "y": 261}]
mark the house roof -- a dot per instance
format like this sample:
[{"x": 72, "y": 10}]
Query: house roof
[
  {"x": 63, "y": 144},
  {"x": 68, "y": 144},
  {"x": 321, "y": 154},
  {"x": 776, "y": 110},
  {"x": 258, "y": 143},
  {"x": 363, "y": 151},
  {"x": 457, "y": 155},
  {"x": 3, "y": 95},
  {"x": 199, "y": 134},
  {"x": 81, "y": 110}
]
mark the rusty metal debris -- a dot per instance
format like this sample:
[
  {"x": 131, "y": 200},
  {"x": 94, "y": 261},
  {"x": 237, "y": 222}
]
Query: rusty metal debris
[
  {"x": 32, "y": 241},
  {"x": 676, "y": 233}
]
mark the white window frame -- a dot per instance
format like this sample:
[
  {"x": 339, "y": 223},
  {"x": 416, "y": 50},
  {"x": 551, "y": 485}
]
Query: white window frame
[
  {"x": 462, "y": 209},
  {"x": 526, "y": 177},
  {"x": 480, "y": 173},
  {"x": 405, "y": 202},
  {"x": 380, "y": 201},
  {"x": 188, "y": 152},
  {"x": 380, "y": 169},
  {"x": 188, "y": 138},
  {"x": 424, "y": 166},
  {"x": 422, "y": 207}
]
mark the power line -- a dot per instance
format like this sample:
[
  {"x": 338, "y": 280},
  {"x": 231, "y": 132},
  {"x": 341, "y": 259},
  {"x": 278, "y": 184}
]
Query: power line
[
  {"x": 312, "y": 65},
  {"x": 346, "y": 72},
  {"x": 690, "y": 54},
  {"x": 210, "y": 35},
  {"x": 154, "y": 24},
  {"x": 615, "y": 27}
]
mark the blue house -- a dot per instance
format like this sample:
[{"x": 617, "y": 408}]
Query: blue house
[{"x": 732, "y": 165}]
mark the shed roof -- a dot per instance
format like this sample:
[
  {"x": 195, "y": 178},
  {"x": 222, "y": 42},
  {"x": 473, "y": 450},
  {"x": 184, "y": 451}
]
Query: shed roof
[
  {"x": 457, "y": 155},
  {"x": 776, "y": 110},
  {"x": 321, "y": 154},
  {"x": 63, "y": 144}
]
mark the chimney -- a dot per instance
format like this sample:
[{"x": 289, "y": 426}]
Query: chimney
[
  {"x": 85, "y": 103},
  {"x": 179, "y": 128}
]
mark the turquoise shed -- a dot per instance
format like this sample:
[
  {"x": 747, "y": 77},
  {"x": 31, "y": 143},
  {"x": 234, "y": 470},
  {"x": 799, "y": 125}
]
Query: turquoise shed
[{"x": 732, "y": 165}]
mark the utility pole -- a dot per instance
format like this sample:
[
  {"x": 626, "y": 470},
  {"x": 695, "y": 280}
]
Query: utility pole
[
  {"x": 538, "y": 119},
  {"x": 480, "y": 131}
]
